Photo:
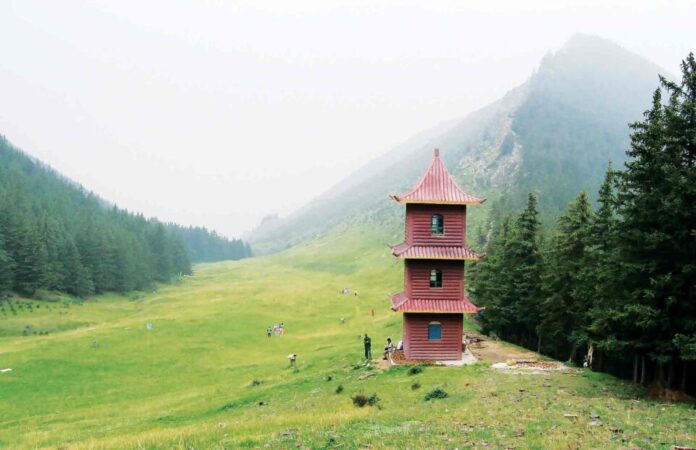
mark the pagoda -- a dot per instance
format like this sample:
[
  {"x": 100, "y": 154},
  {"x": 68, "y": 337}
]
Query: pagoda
[{"x": 434, "y": 251}]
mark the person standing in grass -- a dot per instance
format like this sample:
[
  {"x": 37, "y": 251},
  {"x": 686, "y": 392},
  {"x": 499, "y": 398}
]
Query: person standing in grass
[
  {"x": 368, "y": 347},
  {"x": 389, "y": 349}
]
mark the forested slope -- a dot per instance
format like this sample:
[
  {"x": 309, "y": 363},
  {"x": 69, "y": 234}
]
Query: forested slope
[
  {"x": 56, "y": 236},
  {"x": 203, "y": 245},
  {"x": 614, "y": 286}
]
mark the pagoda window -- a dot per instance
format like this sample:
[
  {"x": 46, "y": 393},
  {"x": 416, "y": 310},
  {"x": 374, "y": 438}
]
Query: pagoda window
[
  {"x": 436, "y": 278},
  {"x": 434, "y": 331},
  {"x": 437, "y": 224}
]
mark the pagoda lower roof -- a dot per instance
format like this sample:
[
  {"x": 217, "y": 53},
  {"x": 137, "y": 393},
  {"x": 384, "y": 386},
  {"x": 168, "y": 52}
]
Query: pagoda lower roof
[
  {"x": 401, "y": 303},
  {"x": 456, "y": 252}
]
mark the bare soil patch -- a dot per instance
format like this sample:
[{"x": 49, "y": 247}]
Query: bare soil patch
[{"x": 492, "y": 351}]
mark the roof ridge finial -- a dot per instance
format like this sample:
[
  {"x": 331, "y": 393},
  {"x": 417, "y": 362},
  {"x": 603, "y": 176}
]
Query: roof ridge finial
[{"x": 437, "y": 152}]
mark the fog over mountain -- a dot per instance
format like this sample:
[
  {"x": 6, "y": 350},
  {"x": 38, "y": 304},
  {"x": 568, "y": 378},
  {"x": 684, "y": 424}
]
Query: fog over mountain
[{"x": 553, "y": 135}]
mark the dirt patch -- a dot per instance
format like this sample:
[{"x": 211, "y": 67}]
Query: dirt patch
[
  {"x": 400, "y": 359},
  {"x": 488, "y": 350}
]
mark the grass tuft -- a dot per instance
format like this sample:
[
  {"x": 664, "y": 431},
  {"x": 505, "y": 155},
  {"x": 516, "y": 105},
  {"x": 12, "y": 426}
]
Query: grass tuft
[
  {"x": 435, "y": 394},
  {"x": 415, "y": 370}
]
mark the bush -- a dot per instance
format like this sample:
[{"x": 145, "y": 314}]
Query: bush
[
  {"x": 339, "y": 389},
  {"x": 415, "y": 370},
  {"x": 255, "y": 382},
  {"x": 415, "y": 385},
  {"x": 435, "y": 393},
  {"x": 360, "y": 400}
]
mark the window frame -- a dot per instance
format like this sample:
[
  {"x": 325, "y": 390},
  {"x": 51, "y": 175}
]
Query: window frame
[
  {"x": 433, "y": 284},
  {"x": 437, "y": 225},
  {"x": 435, "y": 325}
]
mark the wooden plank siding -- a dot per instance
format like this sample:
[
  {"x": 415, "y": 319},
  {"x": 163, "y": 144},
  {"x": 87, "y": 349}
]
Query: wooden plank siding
[
  {"x": 417, "y": 346},
  {"x": 418, "y": 224},
  {"x": 417, "y": 279}
]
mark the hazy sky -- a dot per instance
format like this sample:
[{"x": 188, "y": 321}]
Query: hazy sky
[{"x": 217, "y": 113}]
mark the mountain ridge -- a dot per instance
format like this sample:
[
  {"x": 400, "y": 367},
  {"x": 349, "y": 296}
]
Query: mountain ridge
[{"x": 553, "y": 135}]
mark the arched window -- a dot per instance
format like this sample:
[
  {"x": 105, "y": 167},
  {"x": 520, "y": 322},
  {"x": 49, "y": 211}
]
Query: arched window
[
  {"x": 434, "y": 331},
  {"x": 436, "y": 278},
  {"x": 437, "y": 224}
]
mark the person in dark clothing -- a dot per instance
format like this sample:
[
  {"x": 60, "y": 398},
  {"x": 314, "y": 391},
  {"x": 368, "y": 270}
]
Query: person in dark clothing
[{"x": 368, "y": 347}]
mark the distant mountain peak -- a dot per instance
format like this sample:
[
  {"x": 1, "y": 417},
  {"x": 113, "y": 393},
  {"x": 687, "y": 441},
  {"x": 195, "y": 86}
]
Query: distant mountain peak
[{"x": 553, "y": 135}]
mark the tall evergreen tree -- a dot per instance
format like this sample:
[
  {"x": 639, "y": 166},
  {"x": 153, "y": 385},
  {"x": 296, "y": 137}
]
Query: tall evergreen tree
[
  {"x": 6, "y": 269},
  {"x": 658, "y": 231},
  {"x": 565, "y": 311},
  {"x": 523, "y": 261}
]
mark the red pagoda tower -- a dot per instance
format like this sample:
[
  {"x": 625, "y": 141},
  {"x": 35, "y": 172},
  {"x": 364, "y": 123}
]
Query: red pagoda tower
[{"x": 434, "y": 251}]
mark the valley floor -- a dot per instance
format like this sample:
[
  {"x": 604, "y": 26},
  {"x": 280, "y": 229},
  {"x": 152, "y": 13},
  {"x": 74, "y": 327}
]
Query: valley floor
[{"x": 207, "y": 376}]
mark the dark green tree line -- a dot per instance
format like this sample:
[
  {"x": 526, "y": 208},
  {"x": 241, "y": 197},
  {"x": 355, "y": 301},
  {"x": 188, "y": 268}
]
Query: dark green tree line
[
  {"x": 56, "y": 236},
  {"x": 619, "y": 279},
  {"x": 207, "y": 246}
]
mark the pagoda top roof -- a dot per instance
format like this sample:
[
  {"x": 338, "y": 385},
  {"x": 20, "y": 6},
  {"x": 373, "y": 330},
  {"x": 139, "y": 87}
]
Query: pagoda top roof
[
  {"x": 437, "y": 187},
  {"x": 401, "y": 303},
  {"x": 455, "y": 252}
]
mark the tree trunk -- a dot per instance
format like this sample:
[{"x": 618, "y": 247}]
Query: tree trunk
[
  {"x": 635, "y": 368},
  {"x": 661, "y": 375},
  {"x": 571, "y": 358},
  {"x": 682, "y": 384},
  {"x": 642, "y": 370},
  {"x": 600, "y": 362},
  {"x": 670, "y": 375},
  {"x": 539, "y": 343}
]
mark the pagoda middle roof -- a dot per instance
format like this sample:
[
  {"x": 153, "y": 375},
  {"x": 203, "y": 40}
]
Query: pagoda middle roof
[
  {"x": 455, "y": 252},
  {"x": 437, "y": 187},
  {"x": 402, "y": 303}
]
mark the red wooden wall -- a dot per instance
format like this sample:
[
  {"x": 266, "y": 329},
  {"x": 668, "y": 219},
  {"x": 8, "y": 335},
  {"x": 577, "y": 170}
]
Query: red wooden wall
[
  {"x": 417, "y": 278},
  {"x": 416, "y": 343},
  {"x": 418, "y": 224}
]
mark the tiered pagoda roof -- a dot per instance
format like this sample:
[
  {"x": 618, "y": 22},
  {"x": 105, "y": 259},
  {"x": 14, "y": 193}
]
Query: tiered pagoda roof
[
  {"x": 438, "y": 187},
  {"x": 458, "y": 252},
  {"x": 401, "y": 303}
]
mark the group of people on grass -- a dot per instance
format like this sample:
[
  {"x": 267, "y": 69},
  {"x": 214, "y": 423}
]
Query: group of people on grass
[
  {"x": 277, "y": 329},
  {"x": 389, "y": 349}
]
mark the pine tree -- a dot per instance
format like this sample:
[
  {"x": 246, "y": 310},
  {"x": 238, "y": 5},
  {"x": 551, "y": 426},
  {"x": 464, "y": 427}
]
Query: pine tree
[
  {"x": 524, "y": 263},
  {"x": 489, "y": 283},
  {"x": 6, "y": 269},
  {"x": 657, "y": 234},
  {"x": 565, "y": 311}
]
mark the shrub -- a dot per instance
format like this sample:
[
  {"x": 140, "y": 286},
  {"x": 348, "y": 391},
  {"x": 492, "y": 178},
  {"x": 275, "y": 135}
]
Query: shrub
[
  {"x": 339, "y": 389},
  {"x": 415, "y": 370},
  {"x": 360, "y": 400},
  {"x": 329, "y": 378},
  {"x": 415, "y": 385},
  {"x": 255, "y": 382},
  {"x": 435, "y": 393}
]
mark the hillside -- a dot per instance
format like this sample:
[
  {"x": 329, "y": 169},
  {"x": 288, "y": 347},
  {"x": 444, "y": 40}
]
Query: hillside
[
  {"x": 100, "y": 379},
  {"x": 554, "y": 135},
  {"x": 57, "y": 236}
]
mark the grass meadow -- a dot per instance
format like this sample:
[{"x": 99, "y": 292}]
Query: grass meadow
[{"x": 206, "y": 376}]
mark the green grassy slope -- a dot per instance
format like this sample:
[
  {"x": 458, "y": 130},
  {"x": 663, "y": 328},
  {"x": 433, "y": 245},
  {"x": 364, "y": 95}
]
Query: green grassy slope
[{"x": 187, "y": 382}]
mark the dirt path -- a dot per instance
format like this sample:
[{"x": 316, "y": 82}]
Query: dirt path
[{"x": 488, "y": 350}]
